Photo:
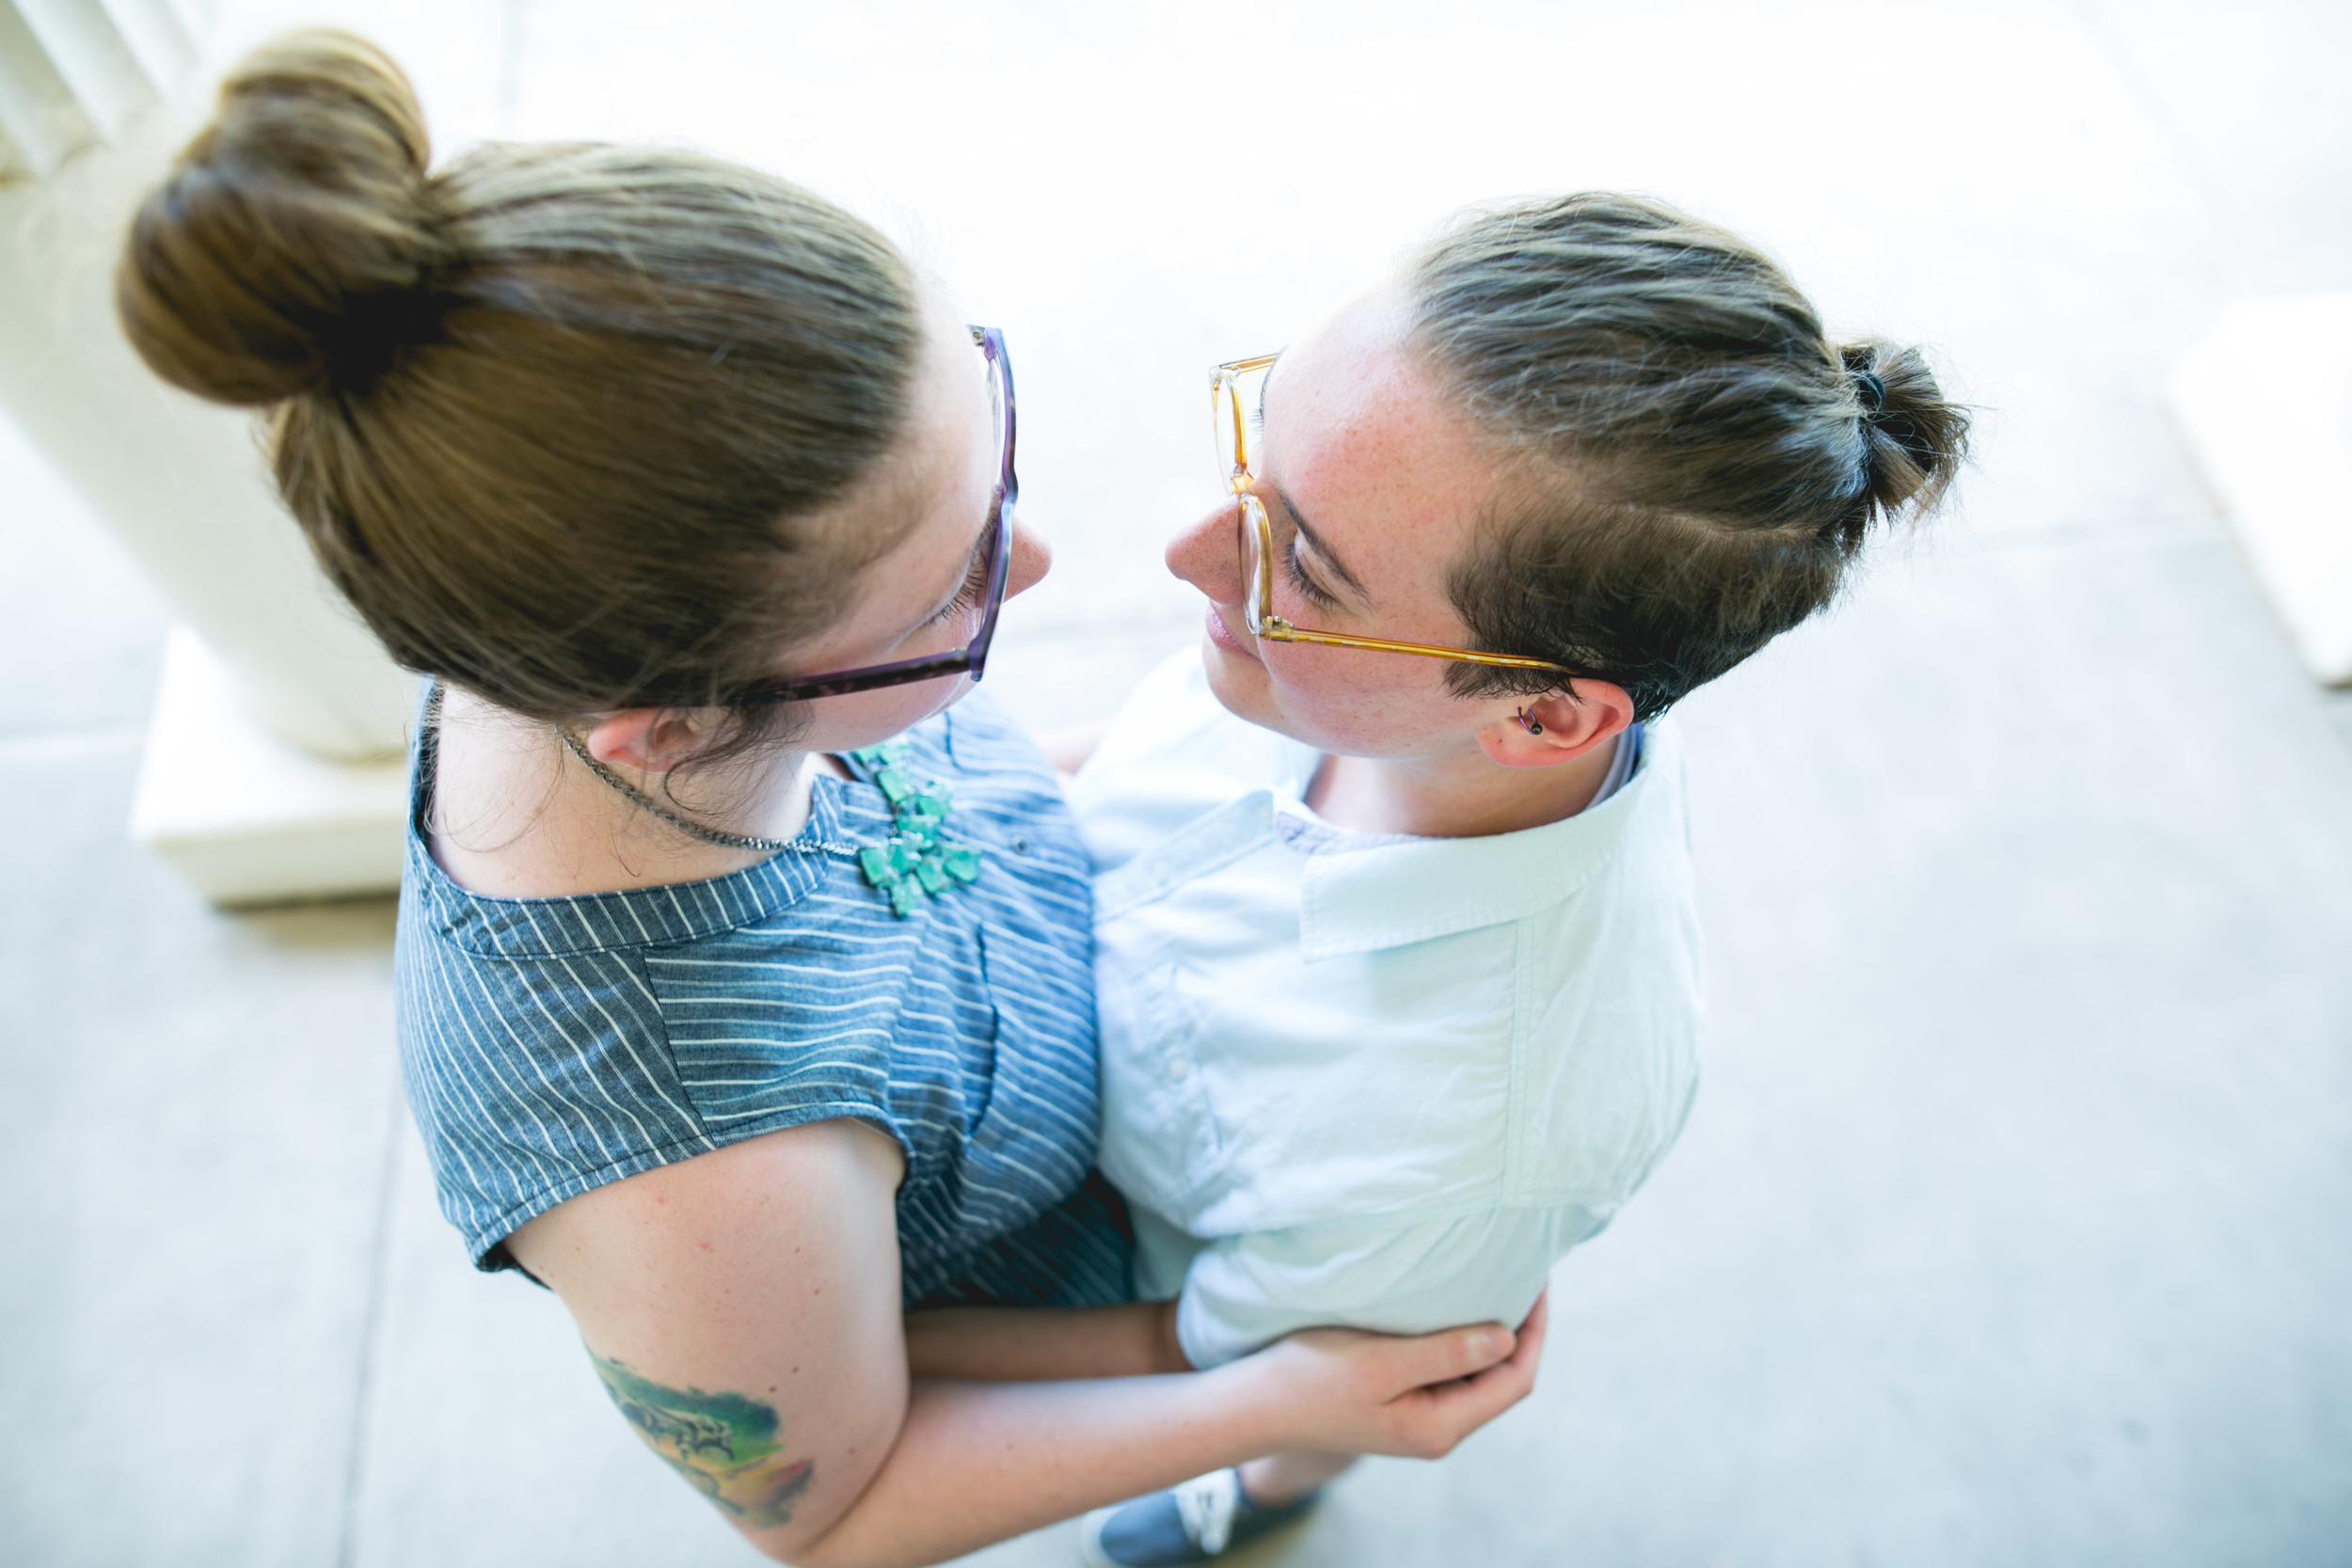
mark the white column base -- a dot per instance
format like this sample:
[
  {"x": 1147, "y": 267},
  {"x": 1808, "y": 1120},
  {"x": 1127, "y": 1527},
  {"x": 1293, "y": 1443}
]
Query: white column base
[
  {"x": 2265, "y": 399},
  {"x": 249, "y": 819}
]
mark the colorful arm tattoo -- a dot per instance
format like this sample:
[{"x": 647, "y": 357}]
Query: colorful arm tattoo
[{"x": 724, "y": 1445}]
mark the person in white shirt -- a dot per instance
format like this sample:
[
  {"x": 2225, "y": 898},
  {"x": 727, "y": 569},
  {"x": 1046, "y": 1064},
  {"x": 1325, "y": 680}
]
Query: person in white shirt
[{"x": 1396, "y": 951}]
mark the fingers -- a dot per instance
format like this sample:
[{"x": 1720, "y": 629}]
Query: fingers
[
  {"x": 1460, "y": 1353},
  {"x": 1531, "y": 1332},
  {"x": 1482, "y": 1349},
  {"x": 1427, "y": 1392},
  {"x": 1397, "y": 1368},
  {"x": 1461, "y": 1407},
  {"x": 1516, "y": 1372}
]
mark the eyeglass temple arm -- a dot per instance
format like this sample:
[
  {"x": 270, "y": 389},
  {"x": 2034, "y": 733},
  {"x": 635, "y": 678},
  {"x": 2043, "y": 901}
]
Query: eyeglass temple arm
[{"x": 1278, "y": 630}]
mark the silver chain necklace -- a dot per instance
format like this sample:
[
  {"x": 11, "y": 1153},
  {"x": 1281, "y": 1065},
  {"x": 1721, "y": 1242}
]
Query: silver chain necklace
[{"x": 691, "y": 828}]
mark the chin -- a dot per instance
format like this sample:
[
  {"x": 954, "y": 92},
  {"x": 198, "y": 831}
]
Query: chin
[
  {"x": 1245, "y": 687},
  {"x": 1238, "y": 681}
]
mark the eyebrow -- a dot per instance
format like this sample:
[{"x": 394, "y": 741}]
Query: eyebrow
[{"x": 1337, "y": 567}]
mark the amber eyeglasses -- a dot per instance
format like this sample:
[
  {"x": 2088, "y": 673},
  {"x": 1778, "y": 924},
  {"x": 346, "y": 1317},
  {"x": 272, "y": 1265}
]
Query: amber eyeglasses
[{"x": 1236, "y": 397}]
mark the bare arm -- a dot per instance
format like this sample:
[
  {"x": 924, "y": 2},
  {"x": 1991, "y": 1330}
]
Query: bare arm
[
  {"x": 1043, "y": 1344},
  {"x": 742, "y": 1309},
  {"x": 978, "y": 1463}
]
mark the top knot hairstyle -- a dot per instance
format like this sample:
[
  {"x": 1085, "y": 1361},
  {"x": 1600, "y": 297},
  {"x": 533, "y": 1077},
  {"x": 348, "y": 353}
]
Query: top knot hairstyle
[
  {"x": 551, "y": 418},
  {"x": 1695, "y": 462}
]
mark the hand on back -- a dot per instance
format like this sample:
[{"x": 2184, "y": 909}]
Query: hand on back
[
  {"x": 743, "y": 1310},
  {"x": 1359, "y": 1392}
]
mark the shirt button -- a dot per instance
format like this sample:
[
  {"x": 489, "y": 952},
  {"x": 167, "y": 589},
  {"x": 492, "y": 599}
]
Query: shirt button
[{"x": 1179, "y": 1069}]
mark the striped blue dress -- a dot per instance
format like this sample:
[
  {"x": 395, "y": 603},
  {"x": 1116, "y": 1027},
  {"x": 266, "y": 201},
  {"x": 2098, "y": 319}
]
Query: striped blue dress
[{"x": 551, "y": 1045}]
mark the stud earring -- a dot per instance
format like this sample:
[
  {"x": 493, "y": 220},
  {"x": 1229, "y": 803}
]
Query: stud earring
[{"x": 1529, "y": 725}]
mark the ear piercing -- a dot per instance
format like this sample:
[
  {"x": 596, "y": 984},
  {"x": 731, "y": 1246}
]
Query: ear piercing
[{"x": 1529, "y": 725}]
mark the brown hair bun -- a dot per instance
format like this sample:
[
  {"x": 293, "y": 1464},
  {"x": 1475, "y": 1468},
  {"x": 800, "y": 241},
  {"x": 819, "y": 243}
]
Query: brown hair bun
[
  {"x": 562, "y": 421},
  {"x": 292, "y": 246},
  {"x": 1915, "y": 436},
  {"x": 1700, "y": 464}
]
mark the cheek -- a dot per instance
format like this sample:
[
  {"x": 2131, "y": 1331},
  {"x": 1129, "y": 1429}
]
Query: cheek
[
  {"x": 870, "y": 717},
  {"x": 1359, "y": 704}
]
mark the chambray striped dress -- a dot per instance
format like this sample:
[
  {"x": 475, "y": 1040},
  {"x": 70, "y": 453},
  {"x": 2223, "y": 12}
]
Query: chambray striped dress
[{"x": 551, "y": 1045}]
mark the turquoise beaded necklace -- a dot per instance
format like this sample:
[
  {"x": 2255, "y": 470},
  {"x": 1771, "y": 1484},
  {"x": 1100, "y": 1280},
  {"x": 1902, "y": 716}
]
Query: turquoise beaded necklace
[{"x": 918, "y": 859}]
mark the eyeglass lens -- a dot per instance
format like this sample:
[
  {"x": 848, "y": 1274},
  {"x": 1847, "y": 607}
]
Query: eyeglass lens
[
  {"x": 1237, "y": 427},
  {"x": 1001, "y": 523}
]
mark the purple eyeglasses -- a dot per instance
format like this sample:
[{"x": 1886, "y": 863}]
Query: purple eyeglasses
[{"x": 997, "y": 540}]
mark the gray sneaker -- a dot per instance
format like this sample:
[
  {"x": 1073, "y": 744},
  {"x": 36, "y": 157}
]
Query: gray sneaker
[{"x": 1191, "y": 1523}]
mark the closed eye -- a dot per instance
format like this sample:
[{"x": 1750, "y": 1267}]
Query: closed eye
[
  {"x": 1308, "y": 589},
  {"x": 968, "y": 596}
]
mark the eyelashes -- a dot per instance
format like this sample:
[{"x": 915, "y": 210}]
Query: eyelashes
[
  {"x": 967, "y": 596},
  {"x": 1310, "y": 590}
]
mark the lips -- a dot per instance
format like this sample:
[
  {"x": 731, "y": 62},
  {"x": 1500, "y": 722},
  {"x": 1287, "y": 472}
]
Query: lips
[{"x": 1222, "y": 634}]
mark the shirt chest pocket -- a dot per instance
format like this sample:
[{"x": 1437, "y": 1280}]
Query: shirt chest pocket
[{"x": 1160, "y": 1139}]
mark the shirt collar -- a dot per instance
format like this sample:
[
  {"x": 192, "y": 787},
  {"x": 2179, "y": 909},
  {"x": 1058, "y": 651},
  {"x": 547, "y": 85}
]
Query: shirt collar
[
  {"x": 646, "y": 916},
  {"x": 1387, "y": 894}
]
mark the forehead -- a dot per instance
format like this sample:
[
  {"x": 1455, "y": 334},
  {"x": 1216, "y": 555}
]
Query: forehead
[
  {"x": 1361, "y": 436},
  {"x": 925, "y": 483}
]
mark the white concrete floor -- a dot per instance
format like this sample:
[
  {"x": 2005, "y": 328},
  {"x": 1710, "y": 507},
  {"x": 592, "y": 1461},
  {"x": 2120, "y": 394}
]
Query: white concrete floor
[{"x": 2011, "y": 1226}]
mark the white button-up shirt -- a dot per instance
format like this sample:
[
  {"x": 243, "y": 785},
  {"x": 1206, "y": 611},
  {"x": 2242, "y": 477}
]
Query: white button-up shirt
[{"x": 1372, "y": 1080}]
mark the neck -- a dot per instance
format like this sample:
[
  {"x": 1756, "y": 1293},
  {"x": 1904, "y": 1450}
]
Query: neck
[
  {"x": 1460, "y": 794},
  {"x": 515, "y": 814}
]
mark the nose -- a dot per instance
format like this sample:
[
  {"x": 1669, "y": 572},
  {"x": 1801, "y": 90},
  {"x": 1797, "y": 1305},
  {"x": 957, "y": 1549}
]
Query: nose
[
  {"x": 1208, "y": 554},
  {"x": 1032, "y": 558}
]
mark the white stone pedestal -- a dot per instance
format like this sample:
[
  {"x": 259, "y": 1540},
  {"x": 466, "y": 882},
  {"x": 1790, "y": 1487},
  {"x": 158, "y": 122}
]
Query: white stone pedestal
[
  {"x": 2265, "y": 399},
  {"x": 247, "y": 817},
  {"x": 266, "y": 776}
]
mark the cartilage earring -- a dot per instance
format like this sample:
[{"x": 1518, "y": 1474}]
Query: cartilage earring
[{"x": 1529, "y": 725}]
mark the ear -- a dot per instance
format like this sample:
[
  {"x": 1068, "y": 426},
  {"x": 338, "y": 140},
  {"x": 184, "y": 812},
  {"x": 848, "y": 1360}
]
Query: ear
[
  {"x": 646, "y": 739},
  {"x": 1573, "y": 722}
]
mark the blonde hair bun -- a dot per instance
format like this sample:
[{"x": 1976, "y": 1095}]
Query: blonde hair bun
[{"x": 292, "y": 246}]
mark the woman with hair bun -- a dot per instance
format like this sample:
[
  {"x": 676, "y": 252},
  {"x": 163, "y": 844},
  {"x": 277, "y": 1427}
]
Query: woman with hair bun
[{"x": 744, "y": 986}]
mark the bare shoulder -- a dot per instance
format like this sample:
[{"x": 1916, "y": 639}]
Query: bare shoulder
[
  {"x": 741, "y": 1310},
  {"x": 799, "y": 1176}
]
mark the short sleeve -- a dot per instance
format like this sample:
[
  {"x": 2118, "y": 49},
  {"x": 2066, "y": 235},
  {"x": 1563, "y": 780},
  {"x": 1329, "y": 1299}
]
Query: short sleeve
[{"x": 1243, "y": 1292}]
